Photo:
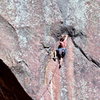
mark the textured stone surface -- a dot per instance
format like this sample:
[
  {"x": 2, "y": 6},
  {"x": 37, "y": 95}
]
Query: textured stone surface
[{"x": 28, "y": 35}]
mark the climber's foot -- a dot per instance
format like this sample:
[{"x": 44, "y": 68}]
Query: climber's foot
[
  {"x": 59, "y": 66},
  {"x": 54, "y": 59}
]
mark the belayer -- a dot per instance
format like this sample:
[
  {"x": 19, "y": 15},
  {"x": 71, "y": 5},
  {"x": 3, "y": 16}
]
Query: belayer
[{"x": 61, "y": 50}]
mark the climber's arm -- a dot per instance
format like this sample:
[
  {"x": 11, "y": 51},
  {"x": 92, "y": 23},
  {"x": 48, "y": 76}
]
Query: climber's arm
[{"x": 66, "y": 37}]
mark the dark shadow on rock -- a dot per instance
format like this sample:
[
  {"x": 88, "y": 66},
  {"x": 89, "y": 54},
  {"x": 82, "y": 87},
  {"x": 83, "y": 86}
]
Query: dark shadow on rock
[
  {"x": 58, "y": 28},
  {"x": 10, "y": 88}
]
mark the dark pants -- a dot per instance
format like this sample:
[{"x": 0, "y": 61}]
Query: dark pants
[{"x": 60, "y": 53}]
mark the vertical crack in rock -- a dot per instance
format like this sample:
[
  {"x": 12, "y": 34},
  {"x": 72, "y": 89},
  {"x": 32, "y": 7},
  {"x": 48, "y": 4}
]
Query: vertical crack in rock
[
  {"x": 11, "y": 26},
  {"x": 89, "y": 58}
]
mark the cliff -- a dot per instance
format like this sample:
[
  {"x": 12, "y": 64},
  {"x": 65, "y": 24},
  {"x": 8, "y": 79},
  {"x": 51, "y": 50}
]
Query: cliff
[{"x": 29, "y": 31}]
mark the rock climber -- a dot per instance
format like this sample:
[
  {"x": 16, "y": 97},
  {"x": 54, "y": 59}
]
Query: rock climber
[{"x": 61, "y": 50}]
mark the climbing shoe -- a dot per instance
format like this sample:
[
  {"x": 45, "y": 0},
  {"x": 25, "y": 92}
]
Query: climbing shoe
[
  {"x": 54, "y": 59},
  {"x": 59, "y": 66}
]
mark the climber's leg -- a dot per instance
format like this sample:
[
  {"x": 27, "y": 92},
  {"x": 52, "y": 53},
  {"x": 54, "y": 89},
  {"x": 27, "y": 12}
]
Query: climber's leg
[
  {"x": 54, "y": 56},
  {"x": 62, "y": 55},
  {"x": 58, "y": 57}
]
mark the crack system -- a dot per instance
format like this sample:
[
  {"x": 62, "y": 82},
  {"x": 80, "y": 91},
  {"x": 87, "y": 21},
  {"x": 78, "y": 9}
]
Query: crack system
[
  {"x": 73, "y": 33},
  {"x": 86, "y": 55}
]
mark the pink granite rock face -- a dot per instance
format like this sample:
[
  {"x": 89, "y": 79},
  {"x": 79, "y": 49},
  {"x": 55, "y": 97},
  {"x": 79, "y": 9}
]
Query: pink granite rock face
[{"x": 29, "y": 31}]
